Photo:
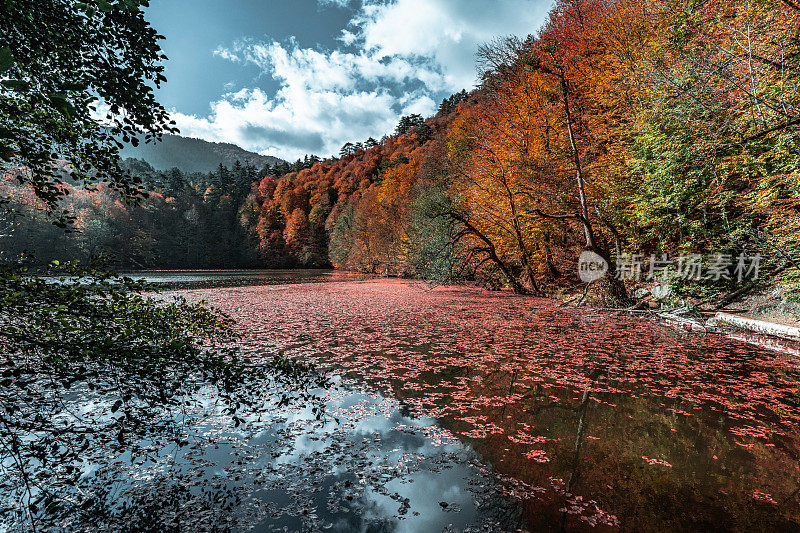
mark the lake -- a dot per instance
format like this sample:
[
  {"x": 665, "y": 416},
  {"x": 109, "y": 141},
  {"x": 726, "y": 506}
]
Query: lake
[
  {"x": 462, "y": 409},
  {"x": 195, "y": 279}
]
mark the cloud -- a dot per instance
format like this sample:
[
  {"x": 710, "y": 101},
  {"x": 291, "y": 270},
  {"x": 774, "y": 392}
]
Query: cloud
[
  {"x": 295, "y": 120},
  {"x": 337, "y": 3},
  {"x": 447, "y": 32},
  {"x": 396, "y": 57},
  {"x": 264, "y": 135}
]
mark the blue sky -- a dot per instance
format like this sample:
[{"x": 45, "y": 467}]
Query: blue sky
[{"x": 295, "y": 77}]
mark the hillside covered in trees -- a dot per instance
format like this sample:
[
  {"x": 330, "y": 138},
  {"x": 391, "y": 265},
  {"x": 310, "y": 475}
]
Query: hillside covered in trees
[
  {"x": 621, "y": 128},
  {"x": 194, "y": 155},
  {"x": 188, "y": 220}
]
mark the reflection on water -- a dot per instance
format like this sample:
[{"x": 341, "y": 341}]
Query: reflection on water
[
  {"x": 376, "y": 470},
  {"x": 366, "y": 468},
  {"x": 591, "y": 420}
]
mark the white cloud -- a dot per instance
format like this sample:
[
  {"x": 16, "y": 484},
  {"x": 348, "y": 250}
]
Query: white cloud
[
  {"x": 448, "y": 32},
  {"x": 338, "y": 3},
  {"x": 292, "y": 122},
  {"x": 226, "y": 54},
  {"x": 397, "y": 57}
]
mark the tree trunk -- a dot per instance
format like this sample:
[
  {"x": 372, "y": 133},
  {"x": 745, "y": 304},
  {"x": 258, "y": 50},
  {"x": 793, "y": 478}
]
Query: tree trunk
[
  {"x": 588, "y": 231},
  {"x": 548, "y": 257},
  {"x": 516, "y": 285},
  {"x": 610, "y": 288}
]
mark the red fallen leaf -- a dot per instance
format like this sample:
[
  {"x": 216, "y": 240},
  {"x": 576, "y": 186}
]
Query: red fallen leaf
[
  {"x": 763, "y": 497},
  {"x": 651, "y": 461},
  {"x": 452, "y": 354},
  {"x": 540, "y": 456}
]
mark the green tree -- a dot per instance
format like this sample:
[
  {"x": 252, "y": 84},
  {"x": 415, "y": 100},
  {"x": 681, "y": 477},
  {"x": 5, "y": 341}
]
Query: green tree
[
  {"x": 78, "y": 81},
  {"x": 409, "y": 123}
]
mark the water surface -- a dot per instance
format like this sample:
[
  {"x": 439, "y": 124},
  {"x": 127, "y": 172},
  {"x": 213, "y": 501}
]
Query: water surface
[
  {"x": 587, "y": 420},
  {"x": 195, "y": 279}
]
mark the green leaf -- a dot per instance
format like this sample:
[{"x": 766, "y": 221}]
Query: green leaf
[
  {"x": 6, "y": 59},
  {"x": 60, "y": 102},
  {"x": 89, "y": 10},
  {"x": 17, "y": 85},
  {"x": 86, "y": 8}
]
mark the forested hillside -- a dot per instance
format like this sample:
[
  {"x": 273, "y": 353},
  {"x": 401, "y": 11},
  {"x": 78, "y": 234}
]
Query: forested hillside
[
  {"x": 629, "y": 129},
  {"x": 621, "y": 128},
  {"x": 194, "y": 155},
  {"x": 188, "y": 220}
]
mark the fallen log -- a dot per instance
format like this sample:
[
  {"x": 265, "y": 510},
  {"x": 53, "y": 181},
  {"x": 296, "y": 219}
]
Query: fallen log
[
  {"x": 756, "y": 326},
  {"x": 686, "y": 323}
]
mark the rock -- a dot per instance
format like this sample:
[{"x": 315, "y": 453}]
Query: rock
[
  {"x": 640, "y": 293},
  {"x": 756, "y": 326},
  {"x": 676, "y": 319},
  {"x": 661, "y": 291}
]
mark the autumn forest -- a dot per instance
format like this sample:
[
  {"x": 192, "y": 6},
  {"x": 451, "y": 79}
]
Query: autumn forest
[
  {"x": 657, "y": 128},
  {"x": 567, "y": 299}
]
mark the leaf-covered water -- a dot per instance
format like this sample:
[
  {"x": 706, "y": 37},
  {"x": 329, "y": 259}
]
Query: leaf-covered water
[{"x": 586, "y": 419}]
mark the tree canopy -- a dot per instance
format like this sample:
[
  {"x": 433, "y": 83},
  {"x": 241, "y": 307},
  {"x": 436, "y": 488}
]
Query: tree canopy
[{"x": 78, "y": 81}]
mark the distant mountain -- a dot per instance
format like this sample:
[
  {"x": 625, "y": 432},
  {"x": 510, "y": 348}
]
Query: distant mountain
[{"x": 194, "y": 155}]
